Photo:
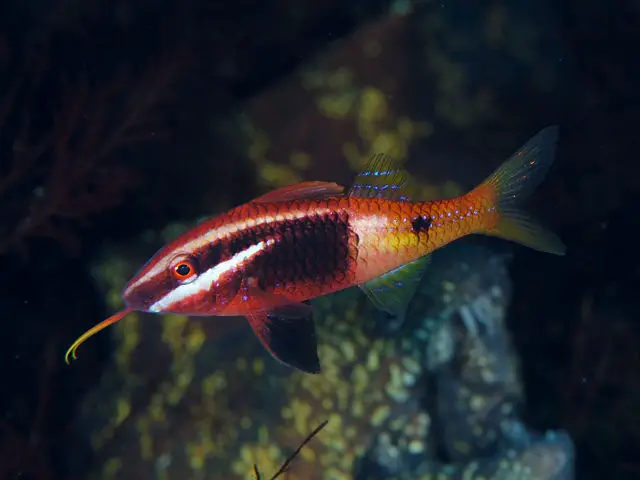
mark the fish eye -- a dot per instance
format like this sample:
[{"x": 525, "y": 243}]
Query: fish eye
[{"x": 184, "y": 269}]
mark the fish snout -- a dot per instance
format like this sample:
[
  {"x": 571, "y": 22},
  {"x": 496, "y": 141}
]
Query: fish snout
[{"x": 137, "y": 296}]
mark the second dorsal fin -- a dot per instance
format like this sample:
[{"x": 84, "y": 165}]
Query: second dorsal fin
[
  {"x": 382, "y": 177},
  {"x": 301, "y": 190}
]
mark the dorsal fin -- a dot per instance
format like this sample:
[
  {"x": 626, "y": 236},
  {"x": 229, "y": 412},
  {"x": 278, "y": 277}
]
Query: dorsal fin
[
  {"x": 382, "y": 177},
  {"x": 300, "y": 191}
]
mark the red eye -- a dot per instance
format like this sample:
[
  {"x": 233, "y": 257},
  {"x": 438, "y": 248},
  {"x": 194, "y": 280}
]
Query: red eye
[{"x": 184, "y": 269}]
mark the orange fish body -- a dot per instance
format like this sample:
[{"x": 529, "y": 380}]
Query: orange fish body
[
  {"x": 265, "y": 259},
  {"x": 323, "y": 246}
]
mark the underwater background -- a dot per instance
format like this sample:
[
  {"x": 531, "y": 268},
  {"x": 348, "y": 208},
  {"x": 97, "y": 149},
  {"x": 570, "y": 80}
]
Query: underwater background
[{"x": 123, "y": 123}]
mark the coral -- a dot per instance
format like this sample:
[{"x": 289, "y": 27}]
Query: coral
[{"x": 57, "y": 139}]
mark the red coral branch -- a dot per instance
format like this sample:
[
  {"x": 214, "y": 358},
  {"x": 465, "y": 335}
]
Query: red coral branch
[{"x": 59, "y": 176}]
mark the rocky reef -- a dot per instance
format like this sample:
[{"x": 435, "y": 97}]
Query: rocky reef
[{"x": 436, "y": 398}]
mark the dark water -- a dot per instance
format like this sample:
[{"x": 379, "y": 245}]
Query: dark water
[{"x": 120, "y": 119}]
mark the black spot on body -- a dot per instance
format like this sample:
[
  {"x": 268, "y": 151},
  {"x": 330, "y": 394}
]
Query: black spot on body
[
  {"x": 421, "y": 223},
  {"x": 210, "y": 256}
]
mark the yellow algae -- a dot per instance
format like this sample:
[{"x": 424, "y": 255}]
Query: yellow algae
[
  {"x": 173, "y": 327},
  {"x": 335, "y": 474},
  {"x": 114, "y": 298},
  {"x": 415, "y": 447},
  {"x": 111, "y": 468},
  {"x": 348, "y": 351},
  {"x": 198, "y": 451},
  {"x": 350, "y": 432},
  {"x": 411, "y": 365},
  {"x": 373, "y": 105},
  {"x": 214, "y": 383},
  {"x": 359, "y": 378},
  {"x": 409, "y": 130},
  {"x": 301, "y": 415},
  {"x": 123, "y": 409},
  {"x": 246, "y": 423},
  {"x": 379, "y": 415},
  {"x": 129, "y": 332},
  {"x": 259, "y": 145},
  {"x": 396, "y": 391},
  {"x": 195, "y": 339},
  {"x": 156, "y": 408},
  {"x": 301, "y": 160},
  {"x": 357, "y": 408},
  {"x": 337, "y": 105},
  {"x": 373, "y": 360},
  {"x": 263, "y": 434},
  {"x": 144, "y": 439},
  {"x": 277, "y": 174},
  {"x": 258, "y": 366},
  {"x": 185, "y": 376},
  {"x": 390, "y": 143},
  {"x": 266, "y": 456},
  {"x": 308, "y": 454}
]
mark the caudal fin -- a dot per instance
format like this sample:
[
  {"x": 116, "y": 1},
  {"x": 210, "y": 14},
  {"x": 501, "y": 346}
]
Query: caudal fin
[{"x": 512, "y": 182}]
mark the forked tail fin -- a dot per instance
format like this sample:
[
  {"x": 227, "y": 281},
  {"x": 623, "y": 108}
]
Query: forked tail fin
[{"x": 512, "y": 182}]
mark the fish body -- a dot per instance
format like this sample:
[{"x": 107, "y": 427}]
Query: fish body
[
  {"x": 301, "y": 249},
  {"x": 267, "y": 258}
]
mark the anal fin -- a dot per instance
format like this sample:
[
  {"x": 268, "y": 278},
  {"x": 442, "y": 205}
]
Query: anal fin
[
  {"x": 393, "y": 291},
  {"x": 291, "y": 340}
]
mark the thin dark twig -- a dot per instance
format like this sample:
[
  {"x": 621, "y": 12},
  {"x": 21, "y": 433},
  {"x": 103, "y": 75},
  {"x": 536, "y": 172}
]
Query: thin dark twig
[{"x": 292, "y": 457}]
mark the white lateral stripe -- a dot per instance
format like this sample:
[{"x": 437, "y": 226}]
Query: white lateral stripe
[
  {"x": 228, "y": 229},
  {"x": 205, "y": 280}
]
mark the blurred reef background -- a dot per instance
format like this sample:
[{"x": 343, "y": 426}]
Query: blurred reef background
[{"x": 124, "y": 123}]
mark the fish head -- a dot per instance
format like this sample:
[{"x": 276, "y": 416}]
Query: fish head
[{"x": 186, "y": 277}]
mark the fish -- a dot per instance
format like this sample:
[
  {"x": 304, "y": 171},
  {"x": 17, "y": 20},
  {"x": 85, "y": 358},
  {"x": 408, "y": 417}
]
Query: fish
[{"x": 266, "y": 259}]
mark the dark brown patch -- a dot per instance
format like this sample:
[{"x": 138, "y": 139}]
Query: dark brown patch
[
  {"x": 309, "y": 250},
  {"x": 421, "y": 223},
  {"x": 210, "y": 256}
]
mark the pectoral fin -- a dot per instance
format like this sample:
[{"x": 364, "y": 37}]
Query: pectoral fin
[
  {"x": 393, "y": 291},
  {"x": 290, "y": 340}
]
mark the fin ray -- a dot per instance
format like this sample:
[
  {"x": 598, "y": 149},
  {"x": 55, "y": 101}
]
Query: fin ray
[
  {"x": 393, "y": 291},
  {"x": 382, "y": 177},
  {"x": 311, "y": 189},
  {"x": 519, "y": 227},
  {"x": 292, "y": 341},
  {"x": 515, "y": 180}
]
